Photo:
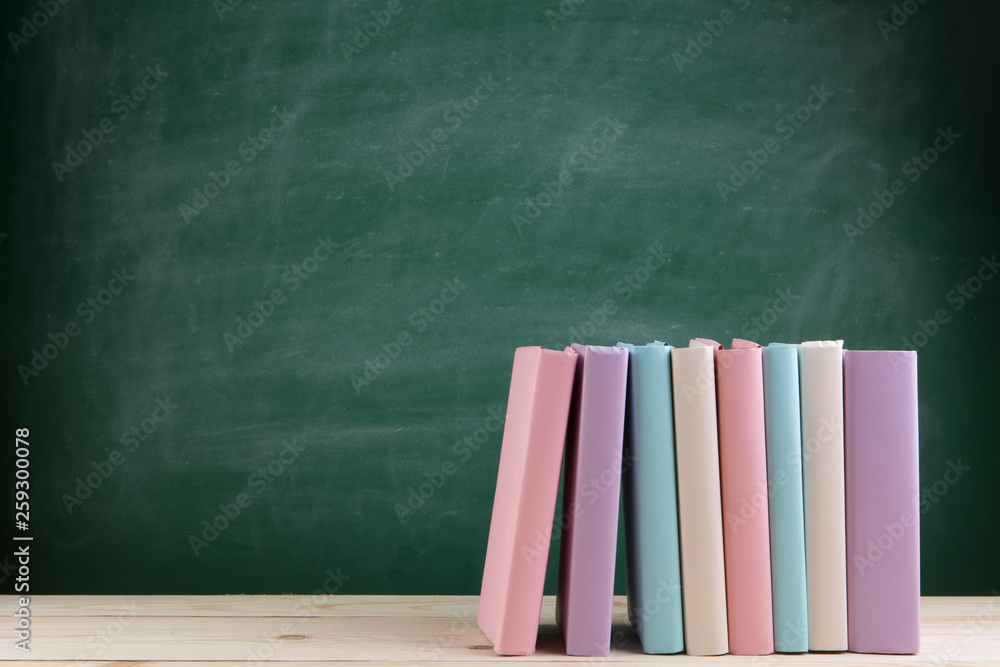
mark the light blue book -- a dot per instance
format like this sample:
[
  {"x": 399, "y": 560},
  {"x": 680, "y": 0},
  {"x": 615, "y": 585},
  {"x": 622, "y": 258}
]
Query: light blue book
[
  {"x": 785, "y": 503},
  {"x": 650, "y": 494}
]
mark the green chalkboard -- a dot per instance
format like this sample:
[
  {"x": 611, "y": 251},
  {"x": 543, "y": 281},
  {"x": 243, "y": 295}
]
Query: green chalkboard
[{"x": 265, "y": 264}]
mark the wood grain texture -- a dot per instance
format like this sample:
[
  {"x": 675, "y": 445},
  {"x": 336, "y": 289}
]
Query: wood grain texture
[{"x": 362, "y": 630}]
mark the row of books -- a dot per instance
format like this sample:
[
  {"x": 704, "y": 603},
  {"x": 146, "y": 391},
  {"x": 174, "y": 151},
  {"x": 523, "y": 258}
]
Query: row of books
[{"x": 770, "y": 498}]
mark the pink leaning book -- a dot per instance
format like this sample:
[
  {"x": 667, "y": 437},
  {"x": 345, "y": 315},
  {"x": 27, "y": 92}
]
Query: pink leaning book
[
  {"x": 585, "y": 595},
  {"x": 534, "y": 435},
  {"x": 882, "y": 491},
  {"x": 743, "y": 469}
]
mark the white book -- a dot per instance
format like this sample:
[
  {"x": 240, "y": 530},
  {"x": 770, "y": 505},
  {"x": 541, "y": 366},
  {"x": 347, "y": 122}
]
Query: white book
[
  {"x": 821, "y": 372},
  {"x": 699, "y": 500}
]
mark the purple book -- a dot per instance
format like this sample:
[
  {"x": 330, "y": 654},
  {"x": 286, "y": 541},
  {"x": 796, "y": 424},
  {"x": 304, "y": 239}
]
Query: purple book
[
  {"x": 589, "y": 518},
  {"x": 882, "y": 491}
]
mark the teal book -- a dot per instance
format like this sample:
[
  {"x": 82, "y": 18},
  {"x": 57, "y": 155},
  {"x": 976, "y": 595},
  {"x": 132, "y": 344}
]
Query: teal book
[
  {"x": 650, "y": 496},
  {"x": 783, "y": 435}
]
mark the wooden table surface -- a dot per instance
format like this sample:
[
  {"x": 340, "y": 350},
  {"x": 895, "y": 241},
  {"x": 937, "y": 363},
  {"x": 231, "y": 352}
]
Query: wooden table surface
[{"x": 368, "y": 629}]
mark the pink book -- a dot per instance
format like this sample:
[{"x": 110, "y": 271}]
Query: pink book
[
  {"x": 743, "y": 469},
  {"x": 585, "y": 594},
  {"x": 534, "y": 436},
  {"x": 882, "y": 493}
]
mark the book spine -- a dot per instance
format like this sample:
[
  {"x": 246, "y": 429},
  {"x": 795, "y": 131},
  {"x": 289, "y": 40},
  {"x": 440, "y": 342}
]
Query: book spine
[
  {"x": 785, "y": 512},
  {"x": 699, "y": 502},
  {"x": 650, "y": 495},
  {"x": 585, "y": 592},
  {"x": 743, "y": 466},
  {"x": 883, "y": 513},
  {"x": 524, "y": 504},
  {"x": 822, "y": 390}
]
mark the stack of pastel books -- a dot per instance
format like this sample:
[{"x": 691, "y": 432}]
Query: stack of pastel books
[{"x": 770, "y": 498}]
